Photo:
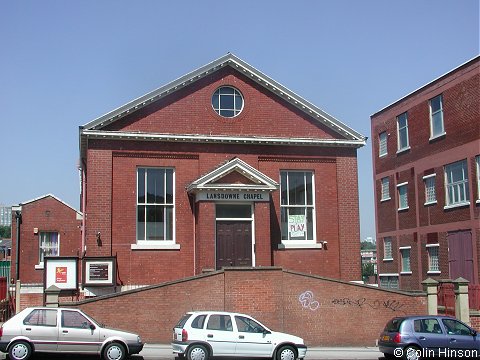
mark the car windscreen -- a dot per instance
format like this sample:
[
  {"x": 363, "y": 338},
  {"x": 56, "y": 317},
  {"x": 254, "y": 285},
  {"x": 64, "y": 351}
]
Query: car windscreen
[
  {"x": 393, "y": 325},
  {"x": 183, "y": 320}
]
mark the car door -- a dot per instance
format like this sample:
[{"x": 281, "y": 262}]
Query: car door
[
  {"x": 430, "y": 335},
  {"x": 459, "y": 335},
  {"x": 41, "y": 327},
  {"x": 77, "y": 333},
  {"x": 253, "y": 339},
  {"x": 220, "y": 334}
]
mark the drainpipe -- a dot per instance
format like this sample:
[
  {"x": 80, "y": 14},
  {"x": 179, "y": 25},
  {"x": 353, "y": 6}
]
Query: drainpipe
[
  {"x": 84, "y": 188},
  {"x": 18, "y": 217}
]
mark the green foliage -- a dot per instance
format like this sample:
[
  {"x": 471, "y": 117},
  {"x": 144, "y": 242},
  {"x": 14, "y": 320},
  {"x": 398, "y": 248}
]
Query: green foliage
[
  {"x": 5, "y": 232},
  {"x": 367, "y": 245},
  {"x": 368, "y": 270}
]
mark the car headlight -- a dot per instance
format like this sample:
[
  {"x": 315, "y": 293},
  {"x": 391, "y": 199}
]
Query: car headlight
[{"x": 138, "y": 339}]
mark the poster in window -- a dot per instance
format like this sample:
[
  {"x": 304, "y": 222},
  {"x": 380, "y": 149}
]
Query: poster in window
[
  {"x": 99, "y": 271},
  {"x": 61, "y": 272},
  {"x": 297, "y": 225}
]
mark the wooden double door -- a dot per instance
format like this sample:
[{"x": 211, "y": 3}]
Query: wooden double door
[{"x": 233, "y": 243}]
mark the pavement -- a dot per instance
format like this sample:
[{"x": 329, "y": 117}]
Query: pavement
[{"x": 164, "y": 352}]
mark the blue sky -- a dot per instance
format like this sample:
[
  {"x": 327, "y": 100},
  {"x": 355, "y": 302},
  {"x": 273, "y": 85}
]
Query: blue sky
[{"x": 65, "y": 63}]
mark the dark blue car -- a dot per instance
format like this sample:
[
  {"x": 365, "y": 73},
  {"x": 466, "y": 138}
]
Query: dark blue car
[{"x": 418, "y": 337}]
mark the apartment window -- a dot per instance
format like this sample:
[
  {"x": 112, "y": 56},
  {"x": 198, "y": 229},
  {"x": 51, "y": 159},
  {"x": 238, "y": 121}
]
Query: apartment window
[
  {"x": 402, "y": 196},
  {"x": 402, "y": 132},
  {"x": 430, "y": 194},
  {"x": 155, "y": 205},
  {"x": 436, "y": 117},
  {"x": 387, "y": 249},
  {"x": 385, "y": 189},
  {"x": 405, "y": 257},
  {"x": 49, "y": 245},
  {"x": 456, "y": 184},
  {"x": 433, "y": 265},
  {"x": 477, "y": 160},
  {"x": 297, "y": 207},
  {"x": 389, "y": 281},
  {"x": 382, "y": 144}
]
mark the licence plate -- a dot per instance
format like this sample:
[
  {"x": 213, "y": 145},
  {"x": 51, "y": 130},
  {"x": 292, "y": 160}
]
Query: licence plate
[{"x": 386, "y": 338}]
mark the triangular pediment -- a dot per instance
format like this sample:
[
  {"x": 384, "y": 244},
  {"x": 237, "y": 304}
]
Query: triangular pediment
[
  {"x": 103, "y": 127},
  {"x": 236, "y": 175}
]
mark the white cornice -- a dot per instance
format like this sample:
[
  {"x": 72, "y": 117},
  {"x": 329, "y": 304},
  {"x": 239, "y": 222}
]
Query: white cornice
[{"x": 201, "y": 138}]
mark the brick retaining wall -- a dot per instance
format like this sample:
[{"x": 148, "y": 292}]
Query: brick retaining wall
[{"x": 323, "y": 311}]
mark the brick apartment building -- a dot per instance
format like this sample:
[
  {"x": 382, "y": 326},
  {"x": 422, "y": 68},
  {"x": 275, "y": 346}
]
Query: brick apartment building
[
  {"x": 426, "y": 159},
  {"x": 221, "y": 167}
]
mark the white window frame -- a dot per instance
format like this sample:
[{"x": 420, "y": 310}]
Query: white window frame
[
  {"x": 433, "y": 114},
  {"x": 429, "y": 247},
  {"x": 167, "y": 244},
  {"x": 299, "y": 243},
  {"x": 403, "y": 251},
  {"x": 430, "y": 191},
  {"x": 41, "y": 235},
  {"x": 388, "y": 255},
  {"x": 402, "y": 132},
  {"x": 477, "y": 164},
  {"x": 402, "y": 197},
  {"x": 385, "y": 188},
  {"x": 219, "y": 107},
  {"x": 382, "y": 144},
  {"x": 458, "y": 188},
  {"x": 386, "y": 275}
]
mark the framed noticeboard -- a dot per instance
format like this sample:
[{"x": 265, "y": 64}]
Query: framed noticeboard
[
  {"x": 99, "y": 271},
  {"x": 61, "y": 271}
]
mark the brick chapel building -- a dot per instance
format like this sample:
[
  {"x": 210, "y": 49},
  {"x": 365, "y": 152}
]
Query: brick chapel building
[
  {"x": 221, "y": 167},
  {"x": 426, "y": 156}
]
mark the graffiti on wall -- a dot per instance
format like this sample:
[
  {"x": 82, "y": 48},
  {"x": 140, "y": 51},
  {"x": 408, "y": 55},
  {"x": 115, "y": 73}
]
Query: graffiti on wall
[
  {"x": 393, "y": 305},
  {"x": 307, "y": 300}
]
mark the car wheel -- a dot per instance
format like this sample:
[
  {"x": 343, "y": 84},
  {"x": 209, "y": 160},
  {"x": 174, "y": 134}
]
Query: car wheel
[
  {"x": 114, "y": 351},
  {"x": 197, "y": 352},
  {"x": 412, "y": 353},
  {"x": 20, "y": 350},
  {"x": 286, "y": 353}
]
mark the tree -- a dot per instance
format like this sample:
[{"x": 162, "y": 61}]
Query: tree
[
  {"x": 367, "y": 245},
  {"x": 5, "y": 232}
]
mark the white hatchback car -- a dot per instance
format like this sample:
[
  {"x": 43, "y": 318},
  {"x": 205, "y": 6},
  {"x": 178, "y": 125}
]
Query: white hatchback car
[
  {"x": 62, "y": 330},
  {"x": 203, "y": 334}
]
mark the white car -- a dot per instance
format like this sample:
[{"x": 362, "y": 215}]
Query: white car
[
  {"x": 62, "y": 330},
  {"x": 203, "y": 334}
]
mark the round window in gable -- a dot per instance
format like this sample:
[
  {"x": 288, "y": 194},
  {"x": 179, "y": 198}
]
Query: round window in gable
[{"x": 227, "y": 101}]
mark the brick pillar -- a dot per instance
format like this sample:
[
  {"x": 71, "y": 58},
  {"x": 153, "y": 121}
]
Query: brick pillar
[
  {"x": 462, "y": 310},
  {"x": 431, "y": 288}
]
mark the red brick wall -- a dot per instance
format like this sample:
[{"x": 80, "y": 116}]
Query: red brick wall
[
  {"x": 45, "y": 214},
  {"x": 320, "y": 310},
  {"x": 460, "y": 90}
]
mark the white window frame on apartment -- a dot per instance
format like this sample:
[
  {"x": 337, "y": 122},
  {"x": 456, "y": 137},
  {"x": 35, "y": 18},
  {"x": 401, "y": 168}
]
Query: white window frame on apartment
[
  {"x": 437, "y": 126},
  {"x": 388, "y": 255},
  {"x": 405, "y": 261},
  {"x": 47, "y": 250},
  {"x": 382, "y": 144},
  {"x": 385, "y": 188},
  {"x": 402, "y": 190},
  {"x": 305, "y": 208},
  {"x": 456, "y": 189},
  {"x": 389, "y": 276},
  {"x": 430, "y": 247},
  {"x": 430, "y": 191},
  {"x": 143, "y": 185},
  {"x": 402, "y": 133},
  {"x": 477, "y": 164}
]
